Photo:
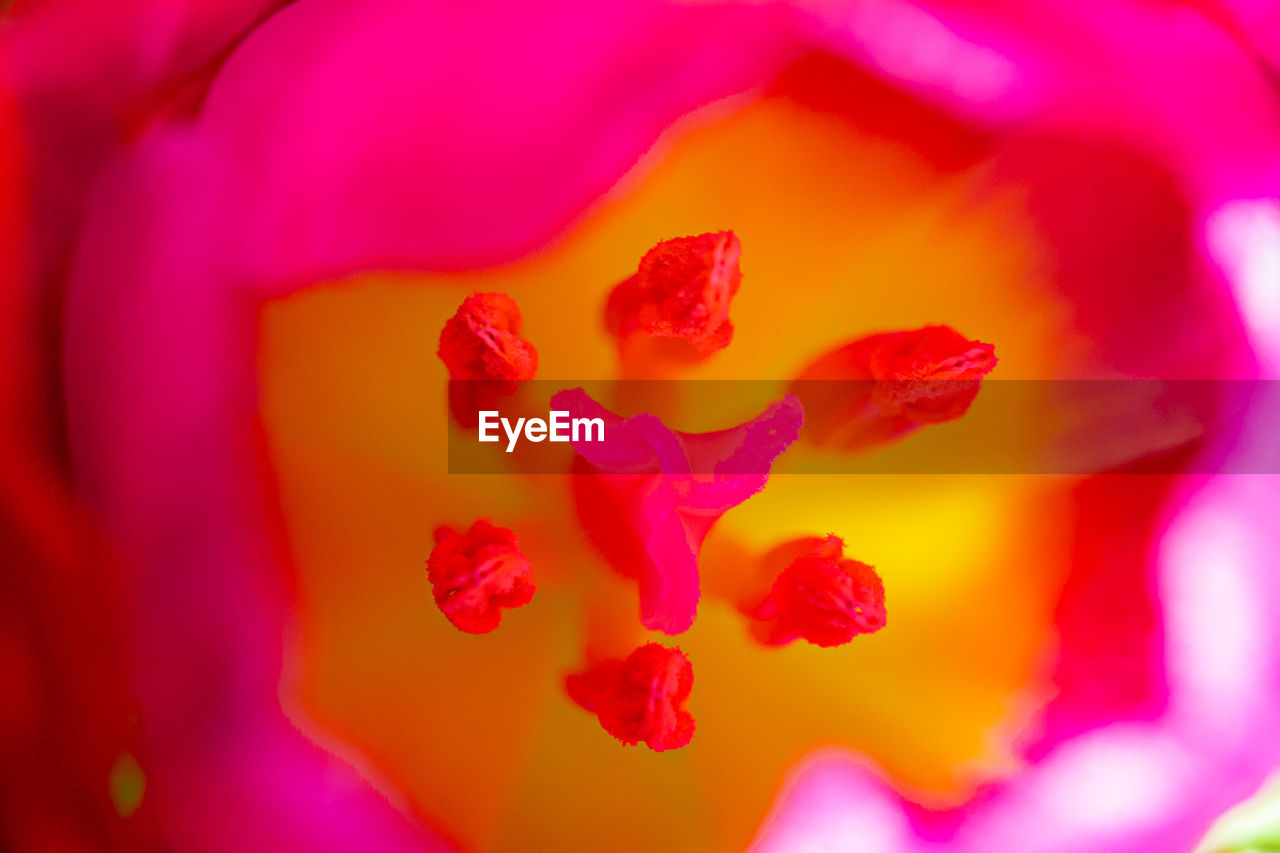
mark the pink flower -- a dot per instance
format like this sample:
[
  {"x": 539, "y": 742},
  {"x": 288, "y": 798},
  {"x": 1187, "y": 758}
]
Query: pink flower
[{"x": 336, "y": 137}]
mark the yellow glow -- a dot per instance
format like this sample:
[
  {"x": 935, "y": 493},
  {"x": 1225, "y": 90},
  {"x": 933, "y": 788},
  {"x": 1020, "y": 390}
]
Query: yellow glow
[{"x": 844, "y": 234}]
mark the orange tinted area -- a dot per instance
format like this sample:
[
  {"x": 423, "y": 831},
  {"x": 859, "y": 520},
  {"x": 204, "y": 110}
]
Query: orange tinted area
[{"x": 844, "y": 234}]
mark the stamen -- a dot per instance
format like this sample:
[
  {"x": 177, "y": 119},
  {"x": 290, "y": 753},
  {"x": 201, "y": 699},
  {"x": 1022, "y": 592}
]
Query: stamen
[
  {"x": 482, "y": 341},
  {"x": 823, "y": 598},
  {"x": 888, "y": 385},
  {"x": 682, "y": 290},
  {"x": 476, "y": 574},
  {"x": 641, "y": 698}
]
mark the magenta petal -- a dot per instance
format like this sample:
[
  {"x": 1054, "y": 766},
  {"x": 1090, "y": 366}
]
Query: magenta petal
[
  {"x": 671, "y": 487},
  {"x": 395, "y": 135},
  {"x": 87, "y": 76},
  {"x": 159, "y": 372}
]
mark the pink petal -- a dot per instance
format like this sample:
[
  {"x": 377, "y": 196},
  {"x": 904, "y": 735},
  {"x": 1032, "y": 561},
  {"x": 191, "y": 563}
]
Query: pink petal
[{"x": 393, "y": 137}]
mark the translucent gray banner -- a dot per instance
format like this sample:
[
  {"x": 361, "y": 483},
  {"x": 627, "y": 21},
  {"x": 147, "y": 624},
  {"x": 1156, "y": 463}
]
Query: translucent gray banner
[{"x": 750, "y": 427}]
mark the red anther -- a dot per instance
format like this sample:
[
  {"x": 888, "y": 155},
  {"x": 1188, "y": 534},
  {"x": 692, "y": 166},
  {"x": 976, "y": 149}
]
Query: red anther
[
  {"x": 822, "y": 597},
  {"x": 641, "y": 698},
  {"x": 482, "y": 341},
  {"x": 682, "y": 290},
  {"x": 476, "y": 574},
  {"x": 933, "y": 352},
  {"x": 888, "y": 385},
  {"x": 930, "y": 374}
]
